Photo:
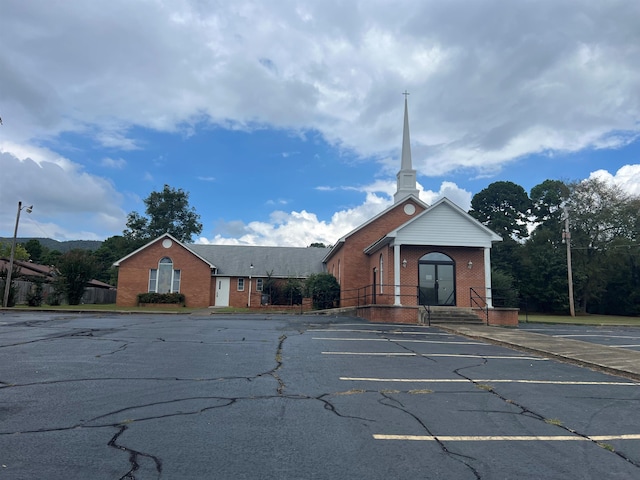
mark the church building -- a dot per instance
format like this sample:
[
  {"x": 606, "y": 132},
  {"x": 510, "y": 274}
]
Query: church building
[{"x": 405, "y": 264}]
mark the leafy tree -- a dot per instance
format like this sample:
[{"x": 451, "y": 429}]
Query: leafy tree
[
  {"x": 603, "y": 219},
  {"x": 547, "y": 199},
  {"x": 19, "y": 254},
  {"x": 292, "y": 291},
  {"x": 504, "y": 208},
  {"x": 35, "y": 250},
  {"x": 317, "y": 245},
  {"x": 77, "y": 267},
  {"x": 324, "y": 290},
  {"x": 543, "y": 272},
  {"x": 112, "y": 250},
  {"x": 167, "y": 211}
]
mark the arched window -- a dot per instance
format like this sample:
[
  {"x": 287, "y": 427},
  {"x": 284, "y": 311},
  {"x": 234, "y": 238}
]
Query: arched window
[
  {"x": 164, "y": 279},
  {"x": 381, "y": 274}
]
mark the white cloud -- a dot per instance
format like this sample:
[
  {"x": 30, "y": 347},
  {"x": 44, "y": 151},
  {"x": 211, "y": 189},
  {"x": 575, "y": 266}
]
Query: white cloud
[
  {"x": 627, "y": 178},
  {"x": 300, "y": 229},
  {"x": 490, "y": 82},
  {"x": 117, "y": 163},
  {"x": 64, "y": 197}
]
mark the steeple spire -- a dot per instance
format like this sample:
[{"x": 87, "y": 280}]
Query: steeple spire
[{"x": 406, "y": 177}]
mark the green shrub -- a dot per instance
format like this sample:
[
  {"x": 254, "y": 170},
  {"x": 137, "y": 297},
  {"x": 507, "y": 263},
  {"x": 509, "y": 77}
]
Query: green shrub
[{"x": 150, "y": 297}]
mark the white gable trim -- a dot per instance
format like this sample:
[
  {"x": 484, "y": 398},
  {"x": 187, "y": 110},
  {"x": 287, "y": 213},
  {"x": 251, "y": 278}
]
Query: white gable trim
[
  {"x": 162, "y": 237},
  {"x": 442, "y": 224},
  {"x": 341, "y": 241}
]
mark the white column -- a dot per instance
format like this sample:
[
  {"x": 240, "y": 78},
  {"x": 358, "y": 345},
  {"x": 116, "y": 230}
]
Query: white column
[
  {"x": 396, "y": 273},
  {"x": 487, "y": 275}
]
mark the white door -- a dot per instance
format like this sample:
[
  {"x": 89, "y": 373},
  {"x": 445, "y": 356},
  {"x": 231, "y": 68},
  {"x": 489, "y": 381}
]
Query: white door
[{"x": 222, "y": 292}]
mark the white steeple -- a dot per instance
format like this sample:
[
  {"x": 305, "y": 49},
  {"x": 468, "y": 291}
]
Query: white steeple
[{"x": 407, "y": 175}]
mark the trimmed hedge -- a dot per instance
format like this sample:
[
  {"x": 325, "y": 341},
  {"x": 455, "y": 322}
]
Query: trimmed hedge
[{"x": 150, "y": 297}]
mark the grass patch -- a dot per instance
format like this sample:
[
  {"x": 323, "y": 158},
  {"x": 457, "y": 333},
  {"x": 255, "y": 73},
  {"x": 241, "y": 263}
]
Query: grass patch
[
  {"x": 354, "y": 391},
  {"x": 488, "y": 388},
  {"x": 606, "y": 446},
  {"x": 108, "y": 307},
  {"x": 553, "y": 421},
  {"x": 580, "y": 319}
]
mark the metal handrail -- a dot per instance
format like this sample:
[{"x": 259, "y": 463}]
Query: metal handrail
[{"x": 475, "y": 300}]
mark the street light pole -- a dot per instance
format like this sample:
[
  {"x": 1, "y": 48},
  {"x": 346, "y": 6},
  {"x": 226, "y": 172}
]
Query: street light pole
[
  {"x": 566, "y": 238},
  {"x": 7, "y": 285}
]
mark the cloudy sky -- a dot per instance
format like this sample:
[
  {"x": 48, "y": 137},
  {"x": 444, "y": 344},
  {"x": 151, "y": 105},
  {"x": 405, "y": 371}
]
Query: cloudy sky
[{"x": 283, "y": 118}]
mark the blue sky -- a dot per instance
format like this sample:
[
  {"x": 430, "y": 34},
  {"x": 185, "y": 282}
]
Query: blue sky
[{"x": 283, "y": 120}]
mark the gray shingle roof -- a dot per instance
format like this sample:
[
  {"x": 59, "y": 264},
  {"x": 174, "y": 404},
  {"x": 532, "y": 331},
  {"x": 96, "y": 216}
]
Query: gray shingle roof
[{"x": 279, "y": 262}]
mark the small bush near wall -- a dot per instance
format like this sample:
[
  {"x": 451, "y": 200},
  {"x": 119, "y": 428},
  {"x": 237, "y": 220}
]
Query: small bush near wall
[{"x": 177, "y": 298}]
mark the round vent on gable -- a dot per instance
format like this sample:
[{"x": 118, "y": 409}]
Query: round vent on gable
[
  {"x": 409, "y": 209},
  {"x": 166, "y": 243}
]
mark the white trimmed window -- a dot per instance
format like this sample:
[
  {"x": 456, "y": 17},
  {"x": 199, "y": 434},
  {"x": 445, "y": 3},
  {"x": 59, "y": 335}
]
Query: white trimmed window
[
  {"x": 164, "y": 279},
  {"x": 259, "y": 284},
  {"x": 241, "y": 284},
  {"x": 381, "y": 274}
]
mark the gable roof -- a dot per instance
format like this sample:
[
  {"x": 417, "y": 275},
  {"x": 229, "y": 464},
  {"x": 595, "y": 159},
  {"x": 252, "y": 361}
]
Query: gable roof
[
  {"x": 278, "y": 262},
  {"x": 443, "y": 224},
  {"x": 236, "y": 260},
  {"x": 341, "y": 241},
  {"x": 155, "y": 240}
]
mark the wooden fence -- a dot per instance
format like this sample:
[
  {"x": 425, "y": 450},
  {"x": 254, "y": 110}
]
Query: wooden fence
[{"x": 92, "y": 295}]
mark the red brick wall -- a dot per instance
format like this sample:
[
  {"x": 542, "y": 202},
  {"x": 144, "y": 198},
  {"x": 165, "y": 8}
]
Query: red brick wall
[
  {"x": 356, "y": 267},
  {"x": 465, "y": 277},
  {"x": 195, "y": 275}
]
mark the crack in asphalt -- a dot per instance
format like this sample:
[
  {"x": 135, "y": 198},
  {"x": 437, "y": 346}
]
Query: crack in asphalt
[
  {"x": 531, "y": 414},
  {"x": 133, "y": 456},
  {"x": 464, "y": 459}
]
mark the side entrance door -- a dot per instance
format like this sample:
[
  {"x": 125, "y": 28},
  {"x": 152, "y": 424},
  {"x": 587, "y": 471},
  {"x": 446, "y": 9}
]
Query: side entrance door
[{"x": 222, "y": 292}]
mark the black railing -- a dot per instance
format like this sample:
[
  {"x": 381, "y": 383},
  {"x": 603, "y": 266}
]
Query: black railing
[{"x": 478, "y": 301}]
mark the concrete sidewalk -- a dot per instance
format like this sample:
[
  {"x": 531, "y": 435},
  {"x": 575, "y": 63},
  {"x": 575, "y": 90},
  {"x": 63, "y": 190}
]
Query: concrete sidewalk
[{"x": 616, "y": 361}]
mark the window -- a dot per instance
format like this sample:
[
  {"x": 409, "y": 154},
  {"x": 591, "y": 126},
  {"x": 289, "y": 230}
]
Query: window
[
  {"x": 259, "y": 282},
  {"x": 164, "y": 279},
  {"x": 241, "y": 284},
  {"x": 381, "y": 274}
]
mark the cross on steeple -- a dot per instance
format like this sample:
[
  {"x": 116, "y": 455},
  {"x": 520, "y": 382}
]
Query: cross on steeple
[{"x": 406, "y": 94}]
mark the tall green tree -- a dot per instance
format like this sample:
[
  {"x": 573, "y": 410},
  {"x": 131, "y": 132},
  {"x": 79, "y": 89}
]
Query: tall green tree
[
  {"x": 77, "y": 268},
  {"x": 504, "y": 208},
  {"x": 547, "y": 201},
  {"x": 603, "y": 223},
  {"x": 113, "y": 249},
  {"x": 167, "y": 211}
]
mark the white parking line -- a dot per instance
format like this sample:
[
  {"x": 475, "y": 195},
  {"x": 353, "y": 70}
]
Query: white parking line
[
  {"x": 485, "y": 380},
  {"x": 381, "y": 331},
  {"x": 410, "y": 354},
  {"x": 508, "y": 438},
  {"x": 347, "y": 339}
]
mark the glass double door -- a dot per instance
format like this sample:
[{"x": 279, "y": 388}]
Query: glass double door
[{"x": 437, "y": 284}]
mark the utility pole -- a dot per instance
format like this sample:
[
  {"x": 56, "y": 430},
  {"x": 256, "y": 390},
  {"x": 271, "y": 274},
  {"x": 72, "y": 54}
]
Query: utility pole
[
  {"x": 7, "y": 285},
  {"x": 566, "y": 238}
]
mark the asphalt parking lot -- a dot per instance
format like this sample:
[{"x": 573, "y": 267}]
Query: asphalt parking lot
[
  {"x": 250, "y": 397},
  {"x": 621, "y": 337}
]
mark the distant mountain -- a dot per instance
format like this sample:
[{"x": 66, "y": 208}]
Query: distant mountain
[{"x": 52, "y": 244}]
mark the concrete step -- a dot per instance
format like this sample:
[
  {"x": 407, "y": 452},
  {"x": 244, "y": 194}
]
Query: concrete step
[{"x": 453, "y": 315}]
